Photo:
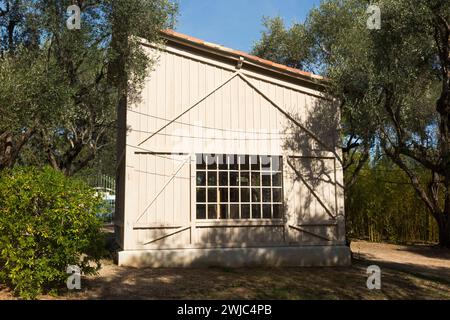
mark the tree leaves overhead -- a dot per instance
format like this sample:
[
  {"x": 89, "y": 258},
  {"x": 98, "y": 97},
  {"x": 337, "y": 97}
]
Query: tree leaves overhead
[
  {"x": 72, "y": 76},
  {"x": 286, "y": 46},
  {"x": 393, "y": 83}
]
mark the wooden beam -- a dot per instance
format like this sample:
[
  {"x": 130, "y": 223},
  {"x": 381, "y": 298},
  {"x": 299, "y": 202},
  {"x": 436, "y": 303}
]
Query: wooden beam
[
  {"x": 155, "y": 226},
  {"x": 240, "y": 223},
  {"x": 302, "y": 127},
  {"x": 191, "y": 107},
  {"x": 164, "y": 187},
  {"x": 167, "y": 235},
  {"x": 309, "y": 232}
]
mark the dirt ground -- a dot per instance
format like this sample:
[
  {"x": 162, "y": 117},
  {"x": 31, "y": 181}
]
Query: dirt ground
[
  {"x": 408, "y": 272},
  {"x": 422, "y": 259}
]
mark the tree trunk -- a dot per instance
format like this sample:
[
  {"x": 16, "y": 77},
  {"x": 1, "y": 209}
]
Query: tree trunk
[
  {"x": 443, "y": 218},
  {"x": 444, "y": 230},
  {"x": 11, "y": 146}
]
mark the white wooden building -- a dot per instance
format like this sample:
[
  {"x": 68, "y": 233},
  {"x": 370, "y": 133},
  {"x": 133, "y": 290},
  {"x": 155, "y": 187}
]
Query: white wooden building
[{"x": 230, "y": 160}]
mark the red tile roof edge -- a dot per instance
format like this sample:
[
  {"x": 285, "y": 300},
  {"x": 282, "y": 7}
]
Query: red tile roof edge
[{"x": 209, "y": 45}]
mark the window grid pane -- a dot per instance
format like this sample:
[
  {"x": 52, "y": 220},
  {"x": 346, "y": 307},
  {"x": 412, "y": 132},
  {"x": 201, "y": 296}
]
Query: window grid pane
[{"x": 239, "y": 187}]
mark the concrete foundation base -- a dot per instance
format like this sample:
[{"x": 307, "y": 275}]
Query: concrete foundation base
[{"x": 238, "y": 257}]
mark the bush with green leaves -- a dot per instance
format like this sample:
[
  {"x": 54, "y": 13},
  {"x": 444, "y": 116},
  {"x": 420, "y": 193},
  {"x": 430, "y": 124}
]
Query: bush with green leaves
[{"x": 47, "y": 222}]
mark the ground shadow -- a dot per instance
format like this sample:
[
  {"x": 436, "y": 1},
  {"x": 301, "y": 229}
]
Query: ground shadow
[
  {"x": 261, "y": 283},
  {"x": 399, "y": 281}
]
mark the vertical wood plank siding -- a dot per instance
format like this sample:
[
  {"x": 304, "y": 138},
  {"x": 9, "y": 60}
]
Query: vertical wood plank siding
[{"x": 236, "y": 119}]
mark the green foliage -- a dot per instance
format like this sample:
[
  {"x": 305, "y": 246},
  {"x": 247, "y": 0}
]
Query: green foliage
[
  {"x": 366, "y": 69},
  {"x": 290, "y": 47},
  {"x": 393, "y": 85},
  {"x": 60, "y": 87},
  {"x": 28, "y": 74},
  {"x": 383, "y": 206},
  {"x": 47, "y": 222}
]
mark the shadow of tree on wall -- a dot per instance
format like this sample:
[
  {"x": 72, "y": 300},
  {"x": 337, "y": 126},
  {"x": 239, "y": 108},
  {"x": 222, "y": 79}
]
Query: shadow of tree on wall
[
  {"x": 320, "y": 139},
  {"x": 314, "y": 144},
  {"x": 313, "y": 168}
]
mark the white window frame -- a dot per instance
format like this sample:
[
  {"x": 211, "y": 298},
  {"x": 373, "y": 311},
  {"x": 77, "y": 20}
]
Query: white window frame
[{"x": 203, "y": 172}]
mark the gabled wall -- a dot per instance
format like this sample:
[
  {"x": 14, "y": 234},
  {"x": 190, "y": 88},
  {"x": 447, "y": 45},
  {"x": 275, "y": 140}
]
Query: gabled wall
[{"x": 195, "y": 102}]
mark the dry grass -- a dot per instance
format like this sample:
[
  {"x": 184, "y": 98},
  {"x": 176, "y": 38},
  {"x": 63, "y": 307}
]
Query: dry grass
[{"x": 408, "y": 272}]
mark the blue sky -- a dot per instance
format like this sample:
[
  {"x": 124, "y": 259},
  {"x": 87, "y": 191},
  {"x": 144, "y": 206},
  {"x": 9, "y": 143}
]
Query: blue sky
[{"x": 236, "y": 23}]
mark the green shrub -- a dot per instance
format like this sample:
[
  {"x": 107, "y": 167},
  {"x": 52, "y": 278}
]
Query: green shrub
[{"x": 47, "y": 222}]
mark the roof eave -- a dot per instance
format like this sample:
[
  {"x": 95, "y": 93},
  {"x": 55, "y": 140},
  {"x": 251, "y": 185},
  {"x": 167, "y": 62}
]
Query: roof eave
[{"x": 249, "y": 59}]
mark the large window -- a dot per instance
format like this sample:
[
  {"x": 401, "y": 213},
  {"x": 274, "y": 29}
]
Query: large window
[{"x": 239, "y": 187}]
